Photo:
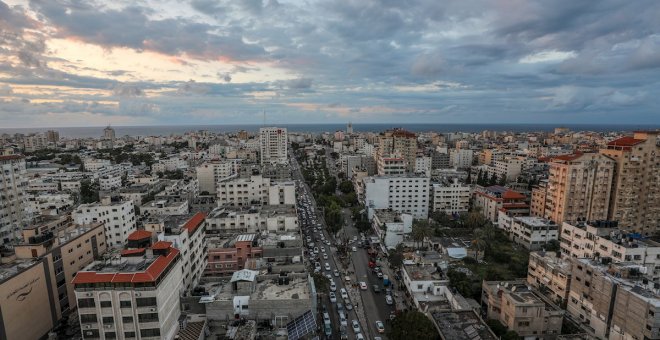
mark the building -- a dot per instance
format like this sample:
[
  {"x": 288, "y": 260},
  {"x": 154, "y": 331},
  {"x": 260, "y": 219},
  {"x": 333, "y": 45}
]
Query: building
[
  {"x": 402, "y": 194},
  {"x": 273, "y": 145},
  {"x": 13, "y": 199},
  {"x": 635, "y": 197},
  {"x": 186, "y": 233},
  {"x": 538, "y": 202},
  {"x": 606, "y": 239},
  {"x": 531, "y": 232},
  {"x": 244, "y": 219},
  {"x": 550, "y": 275},
  {"x": 391, "y": 226},
  {"x": 423, "y": 166},
  {"x": 226, "y": 256},
  {"x": 109, "y": 133},
  {"x": 491, "y": 200},
  {"x": 389, "y": 165},
  {"x": 509, "y": 168},
  {"x": 282, "y": 193},
  {"x": 118, "y": 217},
  {"x": 110, "y": 182},
  {"x": 461, "y": 158},
  {"x": 244, "y": 191},
  {"x": 131, "y": 296},
  {"x": 92, "y": 164},
  {"x": 450, "y": 198},
  {"x": 579, "y": 187},
  {"x": 211, "y": 173},
  {"x": 521, "y": 310},
  {"x": 36, "y": 284},
  {"x": 169, "y": 164},
  {"x": 440, "y": 160},
  {"x": 401, "y": 143},
  {"x": 52, "y": 136},
  {"x": 461, "y": 325},
  {"x": 613, "y": 301},
  {"x": 165, "y": 206}
]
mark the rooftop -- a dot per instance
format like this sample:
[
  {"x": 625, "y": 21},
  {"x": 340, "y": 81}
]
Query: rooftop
[
  {"x": 423, "y": 273},
  {"x": 388, "y": 215},
  {"x": 268, "y": 289},
  {"x": 625, "y": 141},
  {"x": 462, "y": 325},
  {"x": 534, "y": 221},
  {"x": 11, "y": 269},
  {"x": 267, "y": 210}
]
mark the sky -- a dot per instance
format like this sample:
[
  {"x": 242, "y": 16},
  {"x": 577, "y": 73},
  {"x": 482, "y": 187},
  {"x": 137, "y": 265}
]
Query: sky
[{"x": 180, "y": 62}]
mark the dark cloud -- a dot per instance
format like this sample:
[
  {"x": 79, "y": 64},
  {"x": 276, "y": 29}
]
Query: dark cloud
[
  {"x": 298, "y": 83},
  {"x": 123, "y": 90}
]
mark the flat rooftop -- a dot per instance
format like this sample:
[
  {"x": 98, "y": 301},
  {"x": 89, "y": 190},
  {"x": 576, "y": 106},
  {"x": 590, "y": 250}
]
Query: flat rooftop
[
  {"x": 268, "y": 289},
  {"x": 11, "y": 269},
  {"x": 423, "y": 273},
  {"x": 462, "y": 325},
  {"x": 520, "y": 293},
  {"x": 263, "y": 210},
  {"x": 535, "y": 221},
  {"x": 388, "y": 215}
]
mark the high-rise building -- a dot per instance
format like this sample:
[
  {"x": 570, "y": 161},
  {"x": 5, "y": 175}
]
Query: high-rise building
[
  {"x": 109, "y": 133},
  {"x": 118, "y": 216},
  {"x": 451, "y": 198},
  {"x": 273, "y": 145},
  {"x": 402, "y": 194},
  {"x": 52, "y": 136},
  {"x": 399, "y": 142},
  {"x": 579, "y": 187},
  {"x": 349, "y": 128},
  {"x": 635, "y": 198},
  {"x": 13, "y": 200},
  {"x": 132, "y": 296}
]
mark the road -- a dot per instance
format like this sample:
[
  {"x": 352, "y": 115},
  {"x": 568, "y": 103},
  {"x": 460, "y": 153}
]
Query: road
[{"x": 371, "y": 306}]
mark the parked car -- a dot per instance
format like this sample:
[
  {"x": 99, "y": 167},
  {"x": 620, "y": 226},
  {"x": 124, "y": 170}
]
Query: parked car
[
  {"x": 363, "y": 285},
  {"x": 356, "y": 326},
  {"x": 389, "y": 300},
  {"x": 380, "y": 327},
  {"x": 333, "y": 297}
]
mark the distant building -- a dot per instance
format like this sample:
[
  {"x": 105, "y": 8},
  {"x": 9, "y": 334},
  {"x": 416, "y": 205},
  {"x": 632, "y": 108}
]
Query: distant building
[
  {"x": 450, "y": 198},
  {"x": 491, "y": 200},
  {"x": 211, "y": 173},
  {"x": 402, "y": 194},
  {"x": 531, "y": 232},
  {"x": 273, "y": 145},
  {"x": 118, "y": 217},
  {"x": 399, "y": 142},
  {"x": 13, "y": 204},
  {"x": 550, "y": 275}
]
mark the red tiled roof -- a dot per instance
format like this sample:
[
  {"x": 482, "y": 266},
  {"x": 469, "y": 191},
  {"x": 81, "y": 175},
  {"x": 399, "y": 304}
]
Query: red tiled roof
[
  {"x": 151, "y": 274},
  {"x": 10, "y": 157},
  {"x": 625, "y": 141},
  {"x": 139, "y": 235},
  {"x": 510, "y": 194},
  {"x": 161, "y": 245},
  {"x": 194, "y": 222},
  {"x": 131, "y": 252}
]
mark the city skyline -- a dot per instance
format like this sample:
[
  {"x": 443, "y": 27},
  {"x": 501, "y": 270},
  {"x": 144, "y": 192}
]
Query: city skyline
[{"x": 67, "y": 63}]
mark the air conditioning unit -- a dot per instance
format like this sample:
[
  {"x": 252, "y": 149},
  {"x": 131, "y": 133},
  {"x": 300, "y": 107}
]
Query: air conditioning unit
[
  {"x": 89, "y": 294},
  {"x": 87, "y": 326},
  {"x": 108, "y": 326},
  {"x": 152, "y": 309},
  {"x": 138, "y": 294}
]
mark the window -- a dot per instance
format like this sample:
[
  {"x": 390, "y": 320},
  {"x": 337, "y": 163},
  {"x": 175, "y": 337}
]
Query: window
[
  {"x": 110, "y": 335},
  {"x": 150, "y": 332},
  {"x": 127, "y": 319},
  {"x": 87, "y": 318},
  {"x": 145, "y": 302},
  {"x": 129, "y": 334},
  {"x": 125, "y": 304},
  {"x": 86, "y": 303},
  {"x": 108, "y": 320},
  {"x": 148, "y": 317},
  {"x": 106, "y": 304}
]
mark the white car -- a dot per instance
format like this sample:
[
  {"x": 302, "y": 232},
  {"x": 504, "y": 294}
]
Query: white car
[
  {"x": 333, "y": 297},
  {"x": 325, "y": 256},
  {"x": 380, "y": 327},
  {"x": 388, "y": 300},
  {"x": 316, "y": 250},
  {"x": 336, "y": 273},
  {"x": 323, "y": 249},
  {"x": 354, "y": 248},
  {"x": 327, "y": 266},
  {"x": 356, "y": 326},
  {"x": 363, "y": 285},
  {"x": 342, "y": 319},
  {"x": 333, "y": 286},
  {"x": 359, "y": 336},
  {"x": 344, "y": 293}
]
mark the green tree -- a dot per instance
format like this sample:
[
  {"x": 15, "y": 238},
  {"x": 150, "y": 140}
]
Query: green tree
[
  {"x": 412, "y": 325},
  {"x": 321, "y": 282},
  {"x": 420, "y": 230},
  {"x": 474, "y": 219},
  {"x": 493, "y": 179},
  {"x": 89, "y": 193},
  {"x": 346, "y": 187},
  {"x": 468, "y": 180},
  {"x": 502, "y": 180}
]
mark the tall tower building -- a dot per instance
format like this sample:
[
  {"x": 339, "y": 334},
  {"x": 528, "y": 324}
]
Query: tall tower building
[
  {"x": 401, "y": 143},
  {"x": 13, "y": 183},
  {"x": 109, "y": 133},
  {"x": 579, "y": 187},
  {"x": 635, "y": 200},
  {"x": 349, "y": 128},
  {"x": 273, "y": 145}
]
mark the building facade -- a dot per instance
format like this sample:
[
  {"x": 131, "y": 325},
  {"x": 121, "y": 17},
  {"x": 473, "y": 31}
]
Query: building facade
[
  {"x": 274, "y": 144},
  {"x": 402, "y": 194},
  {"x": 451, "y": 198},
  {"x": 118, "y": 217},
  {"x": 13, "y": 199}
]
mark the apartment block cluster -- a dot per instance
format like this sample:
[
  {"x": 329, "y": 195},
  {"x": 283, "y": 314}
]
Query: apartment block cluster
[{"x": 148, "y": 237}]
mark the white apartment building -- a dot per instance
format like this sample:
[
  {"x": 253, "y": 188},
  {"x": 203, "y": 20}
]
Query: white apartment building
[
  {"x": 242, "y": 219},
  {"x": 49, "y": 204},
  {"x": 282, "y": 193},
  {"x": 92, "y": 164},
  {"x": 391, "y": 226},
  {"x": 132, "y": 296},
  {"x": 391, "y": 165},
  {"x": 187, "y": 235},
  {"x": 274, "y": 143},
  {"x": 169, "y": 207},
  {"x": 170, "y": 164},
  {"x": 461, "y": 158},
  {"x": 510, "y": 168},
  {"x": 244, "y": 191},
  {"x": 423, "y": 166},
  {"x": 403, "y": 194},
  {"x": 451, "y": 198},
  {"x": 39, "y": 185},
  {"x": 211, "y": 173},
  {"x": 118, "y": 216},
  {"x": 13, "y": 183},
  {"x": 531, "y": 232},
  {"x": 605, "y": 239},
  {"x": 110, "y": 182}
]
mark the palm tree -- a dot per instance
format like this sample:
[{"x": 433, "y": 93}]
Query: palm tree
[{"x": 420, "y": 230}]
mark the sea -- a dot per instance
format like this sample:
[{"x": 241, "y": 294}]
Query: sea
[{"x": 166, "y": 130}]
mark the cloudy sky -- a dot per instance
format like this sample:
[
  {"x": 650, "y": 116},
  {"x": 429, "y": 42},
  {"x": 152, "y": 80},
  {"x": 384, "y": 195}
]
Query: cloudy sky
[{"x": 143, "y": 62}]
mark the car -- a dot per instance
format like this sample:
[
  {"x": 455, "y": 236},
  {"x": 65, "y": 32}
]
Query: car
[
  {"x": 336, "y": 273},
  {"x": 333, "y": 286},
  {"x": 380, "y": 327},
  {"x": 355, "y": 238},
  {"x": 340, "y": 307},
  {"x": 359, "y": 336},
  {"x": 327, "y": 266},
  {"x": 342, "y": 319},
  {"x": 389, "y": 300},
  {"x": 325, "y": 256},
  {"x": 328, "y": 276},
  {"x": 354, "y": 248},
  {"x": 380, "y": 275},
  {"x": 323, "y": 250},
  {"x": 327, "y": 242},
  {"x": 326, "y": 317},
  {"x": 349, "y": 305},
  {"x": 376, "y": 289},
  {"x": 363, "y": 285},
  {"x": 356, "y": 326},
  {"x": 344, "y": 293},
  {"x": 333, "y": 297}
]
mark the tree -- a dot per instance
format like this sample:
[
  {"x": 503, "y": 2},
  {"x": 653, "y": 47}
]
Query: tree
[
  {"x": 441, "y": 218},
  {"x": 420, "y": 230},
  {"x": 89, "y": 193},
  {"x": 396, "y": 256},
  {"x": 412, "y": 325},
  {"x": 502, "y": 180},
  {"x": 468, "y": 180},
  {"x": 493, "y": 179},
  {"x": 346, "y": 187},
  {"x": 321, "y": 282},
  {"x": 475, "y": 219}
]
